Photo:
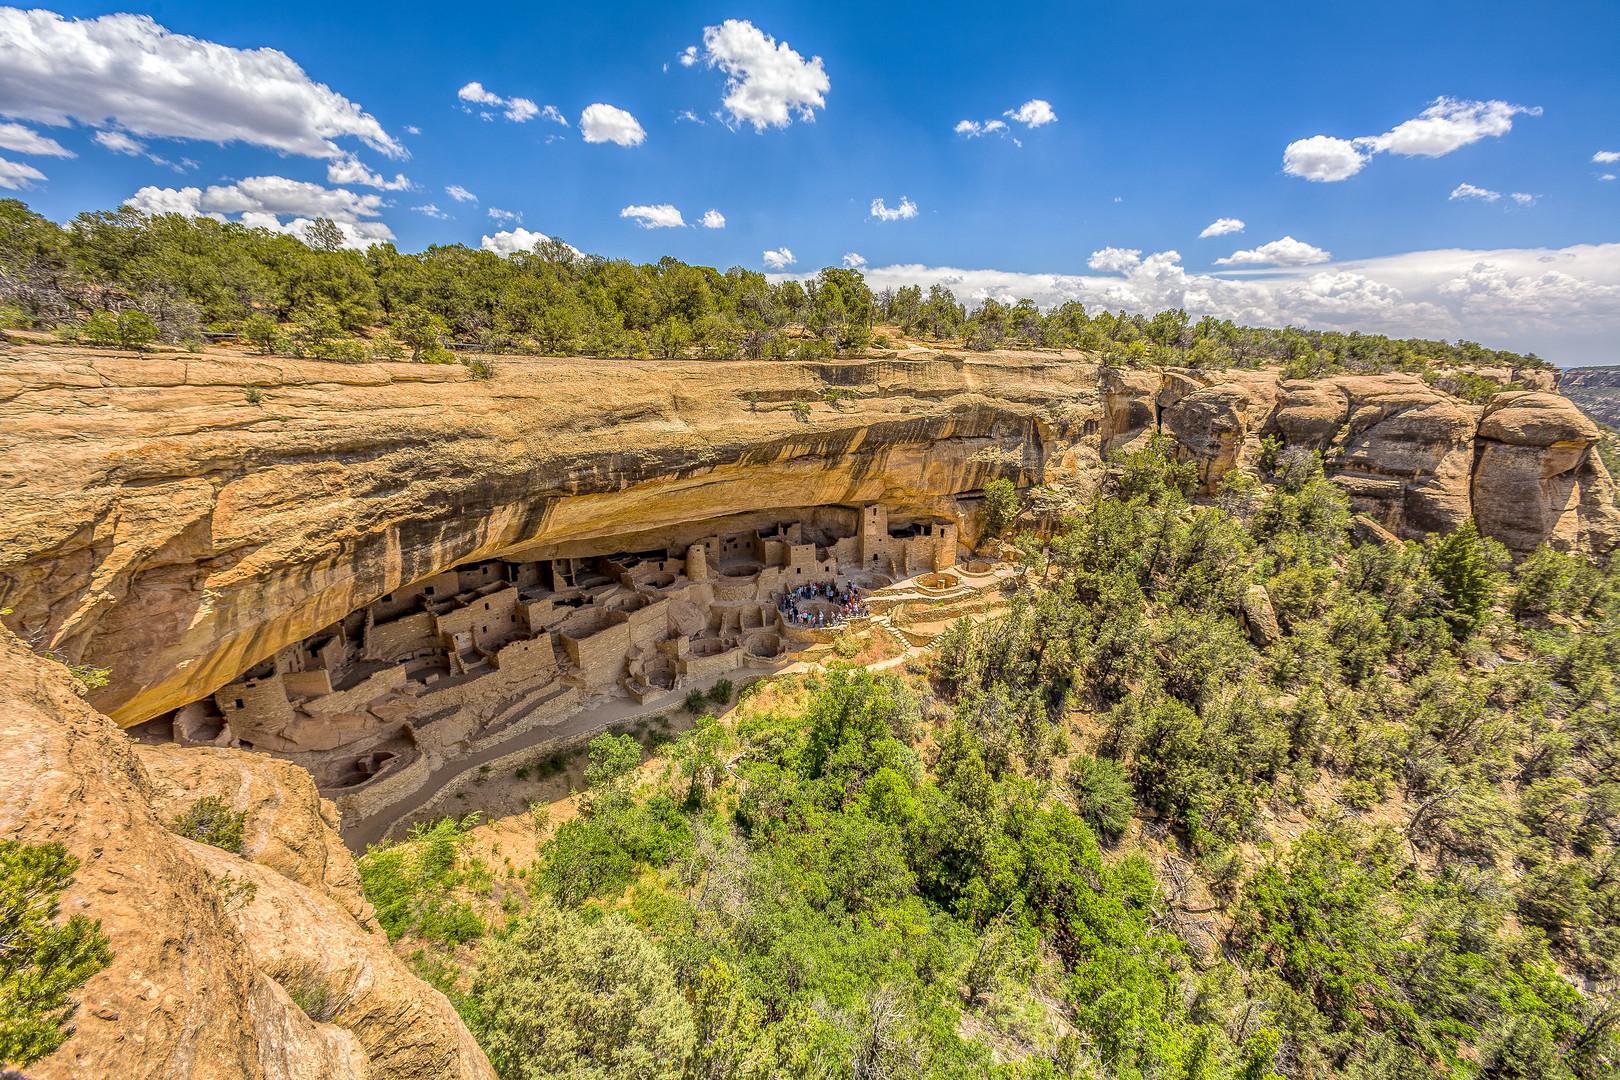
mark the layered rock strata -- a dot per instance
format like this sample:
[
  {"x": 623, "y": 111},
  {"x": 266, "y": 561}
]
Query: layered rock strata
[{"x": 159, "y": 524}]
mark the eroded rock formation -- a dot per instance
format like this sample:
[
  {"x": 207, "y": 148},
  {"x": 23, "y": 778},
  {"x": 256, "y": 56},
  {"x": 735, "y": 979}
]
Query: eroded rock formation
[
  {"x": 203, "y": 980},
  {"x": 158, "y": 524}
]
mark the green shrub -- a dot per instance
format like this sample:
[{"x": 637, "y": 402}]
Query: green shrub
[
  {"x": 695, "y": 701},
  {"x": 347, "y": 351},
  {"x": 41, "y": 962},
  {"x": 1000, "y": 505},
  {"x": 387, "y": 347},
  {"x": 101, "y": 328},
  {"x": 210, "y": 820},
  {"x": 414, "y": 885},
  {"x": 313, "y": 993},
  {"x": 564, "y": 997},
  {"x": 253, "y": 395},
  {"x": 480, "y": 367},
  {"x": 720, "y": 692},
  {"x": 1102, "y": 793},
  {"x": 262, "y": 332}
]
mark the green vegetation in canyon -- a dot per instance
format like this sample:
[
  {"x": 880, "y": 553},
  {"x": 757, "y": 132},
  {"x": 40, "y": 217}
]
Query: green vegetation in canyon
[{"x": 1103, "y": 835}]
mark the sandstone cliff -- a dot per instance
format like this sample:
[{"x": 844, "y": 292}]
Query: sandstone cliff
[
  {"x": 1596, "y": 390},
  {"x": 201, "y": 984},
  {"x": 159, "y": 524}
]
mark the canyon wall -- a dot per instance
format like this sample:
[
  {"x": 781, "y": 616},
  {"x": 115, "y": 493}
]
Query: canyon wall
[
  {"x": 1596, "y": 390},
  {"x": 157, "y": 523},
  {"x": 206, "y": 979}
]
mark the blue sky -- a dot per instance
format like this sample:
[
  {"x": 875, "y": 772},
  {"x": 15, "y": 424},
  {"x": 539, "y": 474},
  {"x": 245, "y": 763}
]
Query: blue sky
[{"x": 1494, "y": 224}]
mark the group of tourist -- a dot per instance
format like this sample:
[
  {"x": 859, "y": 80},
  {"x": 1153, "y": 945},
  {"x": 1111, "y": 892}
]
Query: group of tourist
[{"x": 845, "y": 604}]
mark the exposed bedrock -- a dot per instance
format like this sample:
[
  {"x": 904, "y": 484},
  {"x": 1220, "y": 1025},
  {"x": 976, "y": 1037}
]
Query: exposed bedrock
[
  {"x": 157, "y": 524},
  {"x": 205, "y": 974}
]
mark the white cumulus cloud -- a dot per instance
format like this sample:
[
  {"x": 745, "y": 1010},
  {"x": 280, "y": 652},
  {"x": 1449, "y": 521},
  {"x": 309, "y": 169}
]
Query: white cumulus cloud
[
  {"x": 1284, "y": 252},
  {"x": 1323, "y": 158},
  {"x": 460, "y": 194},
  {"x": 689, "y": 56},
  {"x": 1561, "y": 303},
  {"x": 906, "y": 209},
  {"x": 779, "y": 258},
  {"x": 973, "y": 129},
  {"x": 1033, "y": 113},
  {"x": 601, "y": 123},
  {"x": 15, "y": 175},
  {"x": 661, "y": 216},
  {"x": 119, "y": 143},
  {"x": 1469, "y": 191},
  {"x": 515, "y": 240},
  {"x": 262, "y": 201},
  {"x": 475, "y": 94},
  {"x": 28, "y": 141},
  {"x": 128, "y": 72},
  {"x": 853, "y": 260},
  {"x": 431, "y": 211},
  {"x": 1447, "y": 124},
  {"x": 767, "y": 83},
  {"x": 713, "y": 219},
  {"x": 1221, "y": 227},
  {"x": 349, "y": 169},
  {"x": 516, "y": 109},
  {"x": 496, "y": 214},
  {"x": 1113, "y": 260}
]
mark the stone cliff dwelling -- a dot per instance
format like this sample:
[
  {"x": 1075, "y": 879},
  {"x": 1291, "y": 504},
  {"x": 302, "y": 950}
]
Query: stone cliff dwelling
[{"x": 488, "y": 647}]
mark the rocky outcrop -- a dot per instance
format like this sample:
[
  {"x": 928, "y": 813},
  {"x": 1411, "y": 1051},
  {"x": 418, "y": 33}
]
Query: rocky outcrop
[
  {"x": 1259, "y": 617},
  {"x": 201, "y": 984},
  {"x": 155, "y": 522},
  {"x": 158, "y": 524},
  {"x": 1594, "y": 390},
  {"x": 1538, "y": 477},
  {"x": 1402, "y": 450}
]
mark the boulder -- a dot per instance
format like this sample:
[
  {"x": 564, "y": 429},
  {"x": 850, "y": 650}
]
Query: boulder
[
  {"x": 1309, "y": 414},
  {"x": 1210, "y": 425},
  {"x": 1130, "y": 411},
  {"x": 1538, "y": 478},
  {"x": 1259, "y": 618},
  {"x": 1367, "y": 531},
  {"x": 1386, "y": 426}
]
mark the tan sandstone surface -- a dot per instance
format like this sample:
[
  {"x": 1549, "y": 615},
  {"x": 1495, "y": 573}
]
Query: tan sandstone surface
[
  {"x": 157, "y": 524},
  {"x": 199, "y": 983}
]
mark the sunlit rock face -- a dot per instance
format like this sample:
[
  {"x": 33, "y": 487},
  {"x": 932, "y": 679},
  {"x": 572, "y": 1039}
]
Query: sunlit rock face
[
  {"x": 158, "y": 524},
  {"x": 203, "y": 979}
]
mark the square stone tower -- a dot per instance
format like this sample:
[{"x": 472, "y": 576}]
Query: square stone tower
[{"x": 874, "y": 532}]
